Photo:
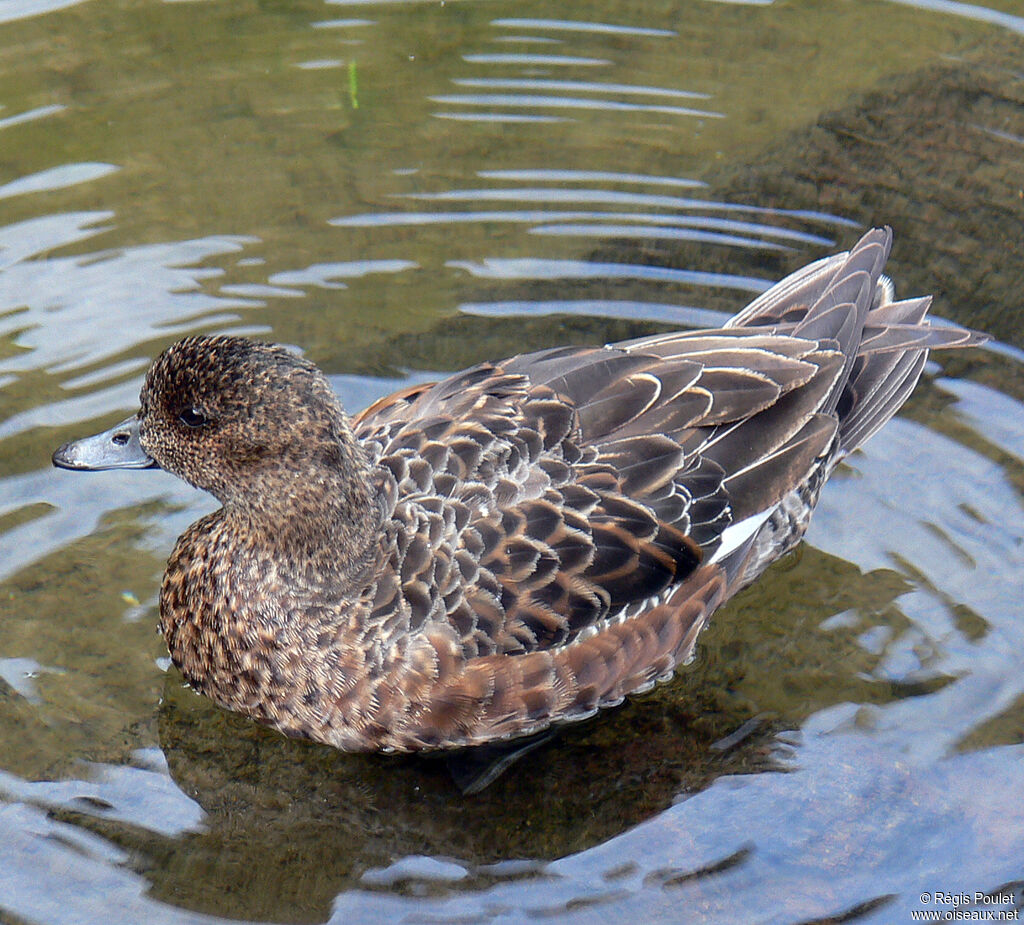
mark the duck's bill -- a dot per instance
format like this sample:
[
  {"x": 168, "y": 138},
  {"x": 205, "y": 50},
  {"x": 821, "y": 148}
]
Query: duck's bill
[{"x": 117, "y": 448}]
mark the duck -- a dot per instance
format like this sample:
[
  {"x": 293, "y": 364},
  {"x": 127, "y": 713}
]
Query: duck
[{"x": 516, "y": 546}]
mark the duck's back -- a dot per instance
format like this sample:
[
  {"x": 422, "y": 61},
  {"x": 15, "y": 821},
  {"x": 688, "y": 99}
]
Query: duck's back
[{"x": 568, "y": 519}]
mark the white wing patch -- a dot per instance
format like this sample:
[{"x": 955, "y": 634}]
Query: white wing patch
[{"x": 735, "y": 535}]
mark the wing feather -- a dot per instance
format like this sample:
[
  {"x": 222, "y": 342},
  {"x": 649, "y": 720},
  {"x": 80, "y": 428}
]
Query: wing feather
[{"x": 584, "y": 486}]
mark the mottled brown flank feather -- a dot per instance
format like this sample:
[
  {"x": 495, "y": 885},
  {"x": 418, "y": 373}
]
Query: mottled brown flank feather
[{"x": 525, "y": 542}]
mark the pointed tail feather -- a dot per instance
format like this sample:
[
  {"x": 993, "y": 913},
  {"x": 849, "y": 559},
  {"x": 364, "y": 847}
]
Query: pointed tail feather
[{"x": 846, "y": 301}]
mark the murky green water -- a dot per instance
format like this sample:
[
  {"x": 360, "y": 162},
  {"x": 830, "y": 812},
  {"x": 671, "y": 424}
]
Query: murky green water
[{"x": 403, "y": 189}]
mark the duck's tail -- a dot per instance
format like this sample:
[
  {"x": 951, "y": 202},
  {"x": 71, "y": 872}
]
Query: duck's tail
[{"x": 847, "y": 300}]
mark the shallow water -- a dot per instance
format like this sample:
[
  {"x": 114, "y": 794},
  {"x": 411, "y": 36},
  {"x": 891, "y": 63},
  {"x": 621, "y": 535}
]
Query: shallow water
[{"x": 402, "y": 189}]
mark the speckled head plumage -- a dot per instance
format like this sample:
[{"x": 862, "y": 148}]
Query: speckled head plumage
[
  {"x": 227, "y": 413},
  {"x": 522, "y": 543}
]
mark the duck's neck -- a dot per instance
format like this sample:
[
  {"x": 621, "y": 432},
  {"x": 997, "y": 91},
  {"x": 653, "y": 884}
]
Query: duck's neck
[{"x": 321, "y": 522}]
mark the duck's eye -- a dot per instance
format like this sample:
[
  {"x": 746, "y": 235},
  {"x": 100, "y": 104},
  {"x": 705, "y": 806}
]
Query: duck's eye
[{"x": 193, "y": 417}]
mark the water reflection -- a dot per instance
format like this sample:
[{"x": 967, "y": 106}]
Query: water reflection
[
  {"x": 67, "y": 313},
  {"x": 975, "y": 11},
  {"x": 313, "y": 822},
  {"x": 575, "y": 86},
  {"x": 81, "y": 328},
  {"x": 290, "y": 830},
  {"x": 38, "y": 113},
  {"x": 537, "y": 268},
  {"x": 23, "y": 9},
  {"x": 565, "y": 25},
  {"x": 541, "y": 92},
  {"x": 660, "y": 312},
  {"x": 535, "y": 101},
  {"x": 326, "y": 275},
  {"x": 56, "y": 177}
]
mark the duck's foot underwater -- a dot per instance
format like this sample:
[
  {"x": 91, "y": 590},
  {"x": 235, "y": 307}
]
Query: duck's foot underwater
[{"x": 475, "y": 769}]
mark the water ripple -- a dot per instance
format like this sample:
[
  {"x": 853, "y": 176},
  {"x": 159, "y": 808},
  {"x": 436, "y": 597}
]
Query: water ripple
[
  {"x": 101, "y": 303},
  {"x": 998, "y": 133},
  {"x": 575, "y": 86},
  {"x": 534, "y": 39},
  {"x": 969, "y": 11},
  {"x": 587, "y": 176},
  {"x": 655, "y": 232},
  {"x": 144, "y": 797},
  {"x": 535, "y": 60},
  {"x": 326, "y": 275},
  {"x": 616, "y": 197},
  {"x": 574, "y": 26},
  {"x": 35, "y": 236},
  {"x": 30, "y": 115},
  {"x": 543, "y": 268},
  {"x": 343, "y": 23},
  {"x": 319, "y": 64},
  {"x": 12, "y": 10},
  {"x": 495, "y": 117},
  {"x": 664, "y": 312},
  {"x": 399, "y": 219},
  {"x": 56, "y": 178},
  {"x": 568, "y": 102}
]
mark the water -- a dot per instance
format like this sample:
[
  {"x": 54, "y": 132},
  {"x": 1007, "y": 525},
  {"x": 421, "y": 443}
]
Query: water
[{"x": 403, "y": 189}]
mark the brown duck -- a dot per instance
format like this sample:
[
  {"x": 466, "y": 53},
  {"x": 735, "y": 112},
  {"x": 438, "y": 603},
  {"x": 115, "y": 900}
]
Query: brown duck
[{"x": 520, "y": 544}]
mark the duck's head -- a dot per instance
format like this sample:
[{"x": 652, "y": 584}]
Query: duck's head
[{"x": 240, "y": 419}]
